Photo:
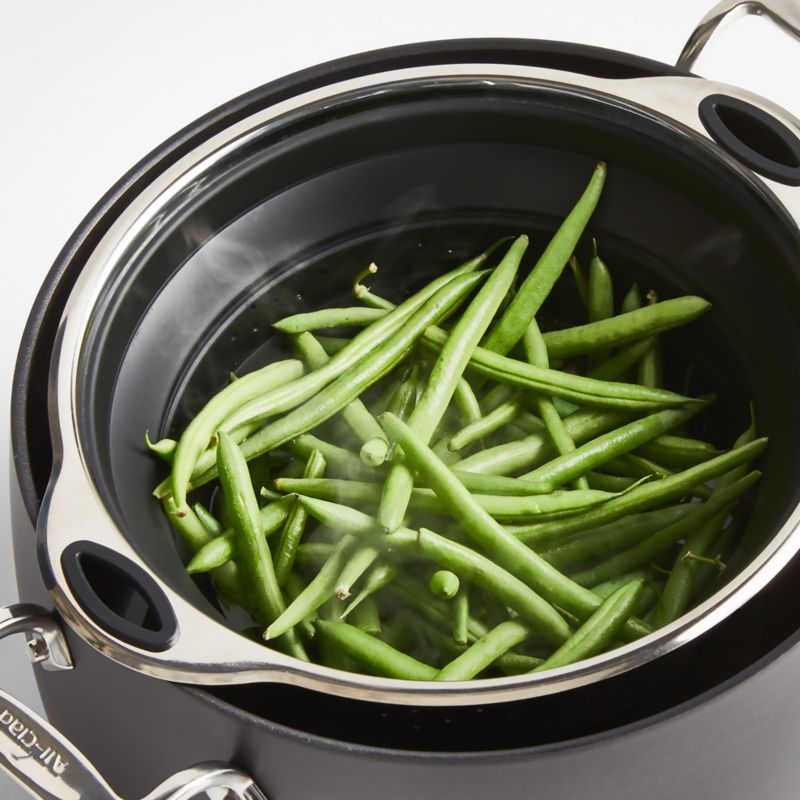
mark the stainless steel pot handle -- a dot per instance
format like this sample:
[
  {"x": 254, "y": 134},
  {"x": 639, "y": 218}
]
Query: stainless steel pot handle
[
  {"x": 48, "y": 765},
  {"x": 784, "y": 13}
]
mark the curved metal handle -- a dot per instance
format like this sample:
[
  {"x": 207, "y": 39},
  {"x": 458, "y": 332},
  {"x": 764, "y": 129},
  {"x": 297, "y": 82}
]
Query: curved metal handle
[
  {"x": 784, "y": 13},
  {"x": 48, "y": 765}
]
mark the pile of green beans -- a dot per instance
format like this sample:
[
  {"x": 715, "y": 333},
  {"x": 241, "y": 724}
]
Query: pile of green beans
[{"x": 459, "y": 488}]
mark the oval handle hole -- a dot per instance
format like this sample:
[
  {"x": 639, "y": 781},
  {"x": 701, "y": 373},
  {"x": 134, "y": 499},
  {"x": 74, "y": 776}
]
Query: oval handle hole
[
  {"x": 753, "y": 136},
  {"x": 119, "y": 595}
]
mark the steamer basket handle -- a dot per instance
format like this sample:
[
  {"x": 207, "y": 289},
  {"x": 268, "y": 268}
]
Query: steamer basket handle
[
  {"x": 48, "y": 765},
  {"x": 784, "y": 13}
]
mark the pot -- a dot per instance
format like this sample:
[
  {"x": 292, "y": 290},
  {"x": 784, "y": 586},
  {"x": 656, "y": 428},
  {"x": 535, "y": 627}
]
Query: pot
[{"x": 315, "y": 146}]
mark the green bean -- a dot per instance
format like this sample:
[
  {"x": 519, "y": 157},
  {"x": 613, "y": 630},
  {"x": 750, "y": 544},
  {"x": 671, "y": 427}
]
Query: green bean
[
  {"x": 312, "y": 554},
  {"x": 479, "y": 483},
  {"x": 163, "y": 448},
  {"x": 721, "y": 499},
  {"x": 678, "y": 451},
  {"x": 596, "y": 452},
  {"x": 497, "y": 396},
  {"x": 580, "y": 280},
  {"x": 333, "y": 344},
  {"x": 607, "y": 539},
  {"x": 461, "y": 615},
  {"x": 651, "y": 368},
  {"x": 609, "y": 483},
  {"x": 403, "y": 399},
  {"x": 294, "y": 586},
  {"x": 466, "y": 563},
  {"x": 491, "y": 422},
  {"x": 210, "y": 522},
  {"x": 616, "y": 366},
  {"x": 351, "y": 383},
  {"x": 195, "y": 536},
  {"x": 366, "y": 618},
  {"x": 336, "y": 457},
  {"x": 444, "y": 584},
  {"x": 599, "y": 630},
  {"x": 446, "y": 372},
  {"x": 675, "y": 598},
  {"x": 581, "y": 390},
  {"x": 327, "y": 318},
  {"x": 295, "y": 524},
  {"x": 376, "y": 655},
  {"x": 632, "y": 465},
  {"x": 516, "y": 664},
  {"x": 536, "y": 287},
  {"x": 360, "y": 561},
  {"x": 466, "y": 402},
  {"x": 256, "y": 561},
  {"x": 647, "y": 599},
  {"x": 536, "y": 448},
  {"x": 510, "y": 552},
  {"x": 222, "y": 548},
  {"x": 505, "y": 506},
  {"x": 601, "y": 297},
  {"x": 379, "y": 578},
  {"x": 199, "y": 431},
  {"x": 536, "y": 352},
  {"x": 355, "y": 414},
  {"x": 485, "y": 651},
  {"x": 625, "y": 328},
  {"x": 316, "y": 593},
  {"x": 642, "y": 497}
]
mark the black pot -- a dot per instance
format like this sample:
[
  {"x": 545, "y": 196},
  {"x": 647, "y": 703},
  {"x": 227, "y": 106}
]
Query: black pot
[{"x": 716, "y": 717}]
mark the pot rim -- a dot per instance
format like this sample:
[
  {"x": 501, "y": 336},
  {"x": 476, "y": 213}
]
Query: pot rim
[{"x": 72, "y": 485}]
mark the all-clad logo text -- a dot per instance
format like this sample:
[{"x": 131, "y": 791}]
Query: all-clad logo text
[{"x": 20, "y": 732}]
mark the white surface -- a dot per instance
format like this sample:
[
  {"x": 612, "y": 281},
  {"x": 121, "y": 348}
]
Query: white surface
[{"x": 88, "y": 87}]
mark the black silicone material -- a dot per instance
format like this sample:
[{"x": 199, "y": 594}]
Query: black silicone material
[
  {"x": 120, "y": 596},
  {"x": 753, "y": 136}
]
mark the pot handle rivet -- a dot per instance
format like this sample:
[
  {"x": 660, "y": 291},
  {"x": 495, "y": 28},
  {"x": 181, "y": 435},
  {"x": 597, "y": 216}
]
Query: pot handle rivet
[{"x": 784, "y": 13}]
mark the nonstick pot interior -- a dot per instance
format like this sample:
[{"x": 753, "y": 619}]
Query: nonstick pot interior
[{"x": 418, "y": 180}]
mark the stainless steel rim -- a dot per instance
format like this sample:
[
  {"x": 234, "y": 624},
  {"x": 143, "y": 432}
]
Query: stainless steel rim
[{"x": 73, "y": 509}]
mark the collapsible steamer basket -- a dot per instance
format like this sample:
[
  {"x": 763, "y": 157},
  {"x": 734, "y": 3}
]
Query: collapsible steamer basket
[{"x": 271, "y": 203}]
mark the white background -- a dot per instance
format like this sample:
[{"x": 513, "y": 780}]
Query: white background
[{"x": 88, "y": 87}]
